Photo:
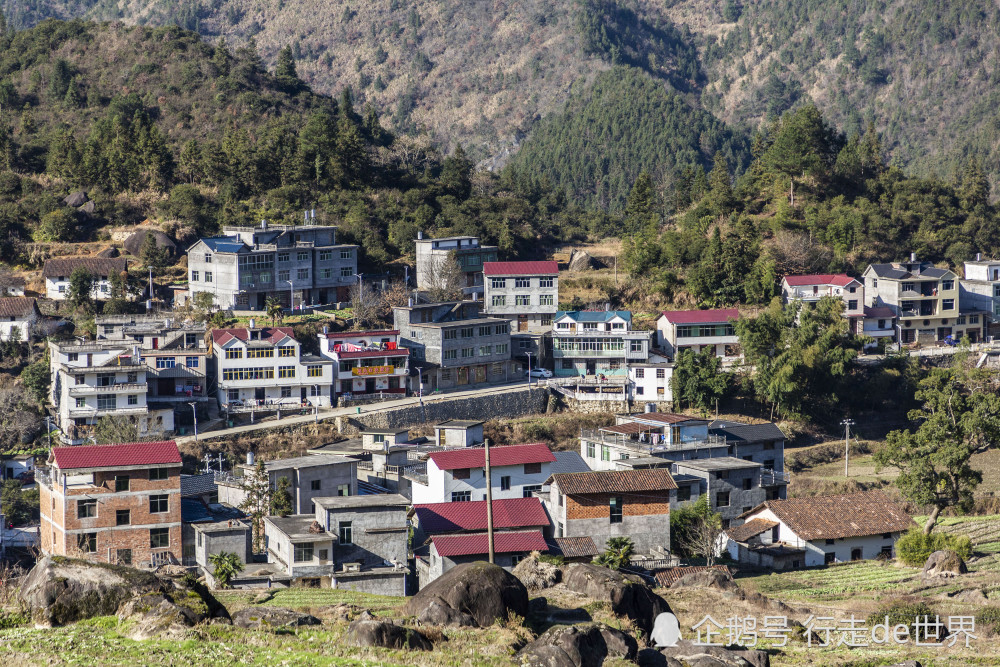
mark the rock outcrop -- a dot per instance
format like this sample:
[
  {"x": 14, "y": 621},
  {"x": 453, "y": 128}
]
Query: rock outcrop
[
  {"x": 942, "y": 564},
  {"x": 628, "y": 597},
  {"x": 577, "y": 646},
  {"x": 272, "y": 617},
  {"x": 687, "y": 653},
  {"x": 535, "y": 574},
  {"x": 476, "y": 594},
  {"x": 367, "y": 630}
]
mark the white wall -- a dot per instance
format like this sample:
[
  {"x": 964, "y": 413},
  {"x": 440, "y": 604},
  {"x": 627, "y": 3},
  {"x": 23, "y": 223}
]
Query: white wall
[{"x": 442, "y": 483}]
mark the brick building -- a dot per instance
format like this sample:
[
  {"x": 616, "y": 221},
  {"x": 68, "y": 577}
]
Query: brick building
[
  {"x": 606, "y": 504},
  {"x": 113, "y": 503}
]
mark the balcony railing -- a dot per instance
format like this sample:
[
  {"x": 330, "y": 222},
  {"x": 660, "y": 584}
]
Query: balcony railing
[
  {"x": 126, "y": 387},
  {"x": 101, "y": 412},
  {"x": 770, "y": 477},
  {"x": 632, "y": 443}
]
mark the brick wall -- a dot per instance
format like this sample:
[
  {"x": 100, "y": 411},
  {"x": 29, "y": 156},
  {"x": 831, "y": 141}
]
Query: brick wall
[{"x": 596, "y": 506}]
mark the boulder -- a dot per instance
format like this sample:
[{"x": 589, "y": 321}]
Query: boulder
[
  {"x": 580, "y": 260},
  {"x": 338, "y": 612},
  {"x": 577, "y": 646},
  {"x": 64, "y": 590},
  {"x": 367, "y": 630},
  {"x": 470, "y": 594},
  {"x": 706, "y": 579},
  {"x": 687, "y": 653},
  {"x": 272, "y": 617},
  {"x": 88, "y": 208},
  {"x": 134, "y": 242},
  {"x": 76, "y": 199},
  {"x": 628, "y": 596},
  {"x": 944, "y": 563},
  {"x": 535, "y": 574},
  {"x": 158, "y": 616}
]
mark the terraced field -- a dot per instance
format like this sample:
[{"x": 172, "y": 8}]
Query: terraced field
[{"x": 833, "y": 583}]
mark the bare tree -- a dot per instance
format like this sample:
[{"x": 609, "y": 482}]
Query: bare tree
[
  {"x": 18, "y": 421},
  {"x": 700, "y": 537},
  {"x": 445, "y": 279},
  {"x": 256, "y": 485},
  {"x": 797, "y": 253},
  {"x": 366, "y": 304}
]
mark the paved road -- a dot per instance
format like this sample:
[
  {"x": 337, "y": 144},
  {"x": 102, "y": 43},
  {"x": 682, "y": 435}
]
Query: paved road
[{"x": 331, "y": 413}]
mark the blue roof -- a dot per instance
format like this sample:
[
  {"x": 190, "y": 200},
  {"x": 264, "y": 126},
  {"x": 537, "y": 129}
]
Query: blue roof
[
  {"x": 195, "y": 511},
  {"x": 224, "y": 243},
  {"x": 595, "y": 315}
]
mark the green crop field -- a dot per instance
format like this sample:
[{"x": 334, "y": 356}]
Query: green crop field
[{"x": 832, "y": 583}]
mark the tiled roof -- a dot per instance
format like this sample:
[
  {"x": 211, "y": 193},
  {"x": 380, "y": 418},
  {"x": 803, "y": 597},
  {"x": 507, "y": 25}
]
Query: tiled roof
[
  {"x": 507, "y": 513},
  {"x": 844, "y": 515},
  {"x": 520, "y": 268},
  {"x": 664, "y": 578},
  {"x": 197, "y": 485},
  {"x": 573, "y": 547},
  {"x": 666, "y": 417},
  {"x": 594, "y": 315},
  {"x": 17, "y": 306},
  {"x": 101, "y": 266},
  {"x": 701, "y": 316},
  {"x": 838, "y": 279},
  {"x": 569, "y": 462},
  {"x": 751, "y": 528},
  {"x": 475, "y": 457},
  {"x": 614, "y": 481},
  {"x": 106, "y": 456},
  {"x": 267, "y": 334},
  {"x": 478, "y": 543}
]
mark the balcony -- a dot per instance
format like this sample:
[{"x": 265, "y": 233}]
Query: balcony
[
  {"x": 123, "y": 387},
  {"x": 770, "y": 477},
  {"x": 102, "y": 412},
  {"x": 633, "y": 443}
]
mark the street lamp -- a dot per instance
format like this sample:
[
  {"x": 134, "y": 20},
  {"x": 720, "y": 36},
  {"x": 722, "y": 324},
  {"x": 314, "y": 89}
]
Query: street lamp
[
  {"x": 194, "y": 412},
  {"x": 291, "y": 297},
  {"x": 529, "y": 367}
]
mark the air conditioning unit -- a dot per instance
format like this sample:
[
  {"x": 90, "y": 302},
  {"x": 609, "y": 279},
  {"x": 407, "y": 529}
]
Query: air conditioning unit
[{"x": 351, "y": 567}]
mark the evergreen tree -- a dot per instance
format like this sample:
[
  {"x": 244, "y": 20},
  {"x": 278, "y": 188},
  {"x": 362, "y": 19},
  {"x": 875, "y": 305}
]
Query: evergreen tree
[
  {"x": 281, "y": 500},
  {"x": 285, "y": 71},
  {"x": 456, "y": 174},
  {"x": 720, "y": 195},
  {"x": 642, "y": 206},
  {"x": 973, "y": 187}
]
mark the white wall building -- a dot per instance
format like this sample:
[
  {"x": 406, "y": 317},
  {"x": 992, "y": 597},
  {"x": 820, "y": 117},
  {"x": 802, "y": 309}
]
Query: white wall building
[
  {"x": 980, "y": 289},
  {"x": 651, "y": 379},
  {"x": 526, "y": 293},
  {"x": 264, "y": 369},
  {"x": 20, "y": 313},
  {"x": 694, "y": 329},
  {"x": 811, "y": 288},
  {"x": 57, "y": 273},
  {"x": 368, "y": 365},
  {"x": 455, "y": 476}
]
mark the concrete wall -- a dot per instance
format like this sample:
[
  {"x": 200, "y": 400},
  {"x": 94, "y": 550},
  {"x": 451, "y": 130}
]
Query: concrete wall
[
  {"x": 329, "y": 478},
  {"x": 645, "y": 518},
  {"x": 380, "y": 535},
  {"x": 376, "y": 583},
  {"x": 236, "y": 540}
]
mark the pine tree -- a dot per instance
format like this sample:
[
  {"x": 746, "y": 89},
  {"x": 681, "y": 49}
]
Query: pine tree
[
  {"x": 720, "y": 195},
  {"x": 285, "y": 71},
  {"x": 256, "y": 486}
]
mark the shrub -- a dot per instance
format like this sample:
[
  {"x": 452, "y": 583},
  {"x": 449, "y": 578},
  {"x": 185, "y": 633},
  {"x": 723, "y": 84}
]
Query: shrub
[
  {"x": 901, "y": 612},
  {"x": 914, "y": 547},
  {"x": 989, "y": 617}
]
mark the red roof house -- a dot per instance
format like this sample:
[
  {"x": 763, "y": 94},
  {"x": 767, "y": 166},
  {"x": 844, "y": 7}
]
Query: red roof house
[
  {"x": 434, "y": 518},
  {"x": 838, "y": 279},
  {"x": 545, "y": 268},
  {"x": 475, "y": 457},
  {"x": 477, "y": 544},
  {"x": 711, "y": 316},
  {"x": 115, "y": 456}
]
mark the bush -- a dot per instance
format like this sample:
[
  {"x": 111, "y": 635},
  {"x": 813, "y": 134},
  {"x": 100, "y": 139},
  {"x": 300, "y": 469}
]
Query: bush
[
  {"x": 901, "y": 612},
  {"x": 989, "y": 617},
  {"x": 914, "y": 548}
]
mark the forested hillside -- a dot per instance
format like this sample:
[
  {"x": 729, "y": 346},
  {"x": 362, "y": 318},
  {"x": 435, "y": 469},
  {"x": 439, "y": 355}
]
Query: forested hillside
[{"x": 157, "y": 123}]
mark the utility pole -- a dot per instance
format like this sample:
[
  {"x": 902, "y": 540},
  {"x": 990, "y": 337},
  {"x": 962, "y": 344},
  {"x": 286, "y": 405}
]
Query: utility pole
[
  {"x": 848, "y": 423},
  {"x": 194, "y": 413},
  {"x": 489, "y": 499},
  {"x": 529, "y": 368}
]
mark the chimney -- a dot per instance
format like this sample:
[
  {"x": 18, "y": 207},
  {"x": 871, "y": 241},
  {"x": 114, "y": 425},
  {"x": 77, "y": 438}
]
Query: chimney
[
  {"x": 979, "y": 256},
  {"x": 409, "y": 302},
  {"x": 252, "y": 323},
  {"x": 250, "y": 458},
  {"x": 420, "y": 235},
  {"x": 913, "y": 256},
  {"x": 263, "y": 224}
]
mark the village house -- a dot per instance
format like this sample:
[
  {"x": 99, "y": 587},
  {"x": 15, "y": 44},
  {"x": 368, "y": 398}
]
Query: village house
[
  {"x": 809, "y": 289},
  {"x": 355, "y": 543},
  {"x": 458, "y": 433},
  {"x": 263, "y": 369},
  {"x": 678, "y": 330},
  {"x": 368, "y": 365},
  {"x": 452, "y": 345},
  {"x": 12, "y": 285},
  {"x": 980, "y": 288},
  {"x": 925, "y": 301},
  {"x": 817, "y": 530},
  {"x": 57, "y": 272},
  {"x": 527, "y": 295},
  {"x": 733, "y": 485},
  {"x": 597, "y": 343},
  {"x": 449, "y": 534},
  {"x": 296, "y": 265},
  {"x": 93, "y": 379},
  {"x": 310, "y": 477},
  {"x": 18, "y": 313},
  {"x": 650, "y": 380},
  {"x": 433, "y": 256},
  {"x": 518, "y": 471},
  {"x": 613, "y": 503},
  {"x": 116, "y": 504}
]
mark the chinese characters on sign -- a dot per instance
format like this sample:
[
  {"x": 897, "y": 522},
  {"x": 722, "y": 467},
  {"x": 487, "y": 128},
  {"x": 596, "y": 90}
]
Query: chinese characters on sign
[{"x": 825, "y": 631}]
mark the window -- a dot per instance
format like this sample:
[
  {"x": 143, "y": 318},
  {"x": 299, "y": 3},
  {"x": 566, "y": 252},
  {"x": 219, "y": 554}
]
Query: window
[
  {"x": 532, "y": 468},
  {"x": 499, "y": 300},
  {"x": 485, "y": 331},
  {"x": 747, "y": 484},
  {"x": 450, "y": 354},
  {"x": 345, "y": 272},
  {"x": 73, "y": 356},
  {"x": 157, "y": 474},
  {"x": 315, "y": 485},
  {"x": 461, "y": 473},
  {"x": 159, "y": 538},
  {"x": 208, "y": 277},
  {"x": 283, "y": 275},
  {"x": 123, "y": 556},
  {"x": 451, "y": 334},
  {"x": 830, "y": 541},
  {"x": 661, "y": 373},
  {"x": 522, "y": 282},
  {"x": 325, "y": 255},
  {"x": 86, "y": 509},
  {"x": 830, "y": 558},
  {"x": 326, "y": 274},
  {"x": 324, "y": 554},
  {"x": 768, "y": 446},
  {"x": 591, "y": 450},
  {"x": 468, "y": 352},
  {"x": 461, "y": 496},
  {"x": 194, "y": 276},
  {"x": 159, "y": 504},
  {"x": 314, "y": 371},
  {"x": 948, "y": 304},
  {"x": 852, "y": 304},
  {"x": 947, "y": 285},
  {"x": 191, "y": 362},
  {"x": 286, "y": 371},
  {"x": 343, "y": 489},
  {"x": 346, "y": 254},
  {"x": 283, "y": 256},
  {"x": 530, "y": 490},
  {"x": 468, "y": 332},
  {"x": 722, "y": 499},
  {"x": 302, "y": 256},
  {"x": 260, "y": 353},
  {"x": 546, "y": 282},
  {"x": 500, "y": 349},
  {"x": 546, "y": 300},
  {"x": 248, "y": 374},
  {"x": 345, "y": 532},
  {"x": 590, "y": 326},
  {"x": 500, "y": 329},
  {"x": 973, "y": 319},
  {"x": 121, "y": 483},
  {"x": 235, "y": 353},
  {"x": 684, "y": 493},
  {"x": 615, "y": 509},
  {"x": 485, "y": 350},
  {"x": 505, "y": 483},
  {"x": 208, "y": 258},
  {"x": 286, "y": 392},
  {"x": 302, "y": 274},
  {"x": 165, "y": 362},
  {"x": 498, "y": 283},
  {"x": 302, "y": 553},
  {"x": 605, "y": 453},
  {"x": 87, "y": 543},
  {"x": 124, "y": 518},
  {"x": 639, "y": 391},
  {"x": 81, "y": 403}
]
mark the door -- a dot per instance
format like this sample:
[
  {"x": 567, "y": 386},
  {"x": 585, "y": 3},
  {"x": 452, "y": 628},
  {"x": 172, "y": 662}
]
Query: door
[
  {"x": 463, "y": 375},
  {"x": 156, "y": 343},
  {"x": 302, "y": 394},
  {"x": 522, "y": 322},
  {"x": 124, "y": 556},
  {"x": 480, "y": 374},
  {"x": 258, "y": 393},
  {"x": 591, "y": 368},
  {"x": 261, "y": 301},
  {"x": 856, "y": 554}
]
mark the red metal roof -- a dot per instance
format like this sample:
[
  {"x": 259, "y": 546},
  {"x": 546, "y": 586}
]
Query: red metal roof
[
  {"x": 107, "y": 456},
  {"x": 368, "y": 354},
  {"x": 701, "y": 316},
  {"x": 475, "y": 457},
  {"x": 838, "y": 279},
  {"x": 507, "y": 513},
  {"x": 520, "y": 268},
  {"x": 478, "y": 543},
  {"x": 267, "y": 334}
]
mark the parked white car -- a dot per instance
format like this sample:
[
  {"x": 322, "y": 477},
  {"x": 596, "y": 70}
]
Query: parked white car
[{"x": 538, "y": 373}]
